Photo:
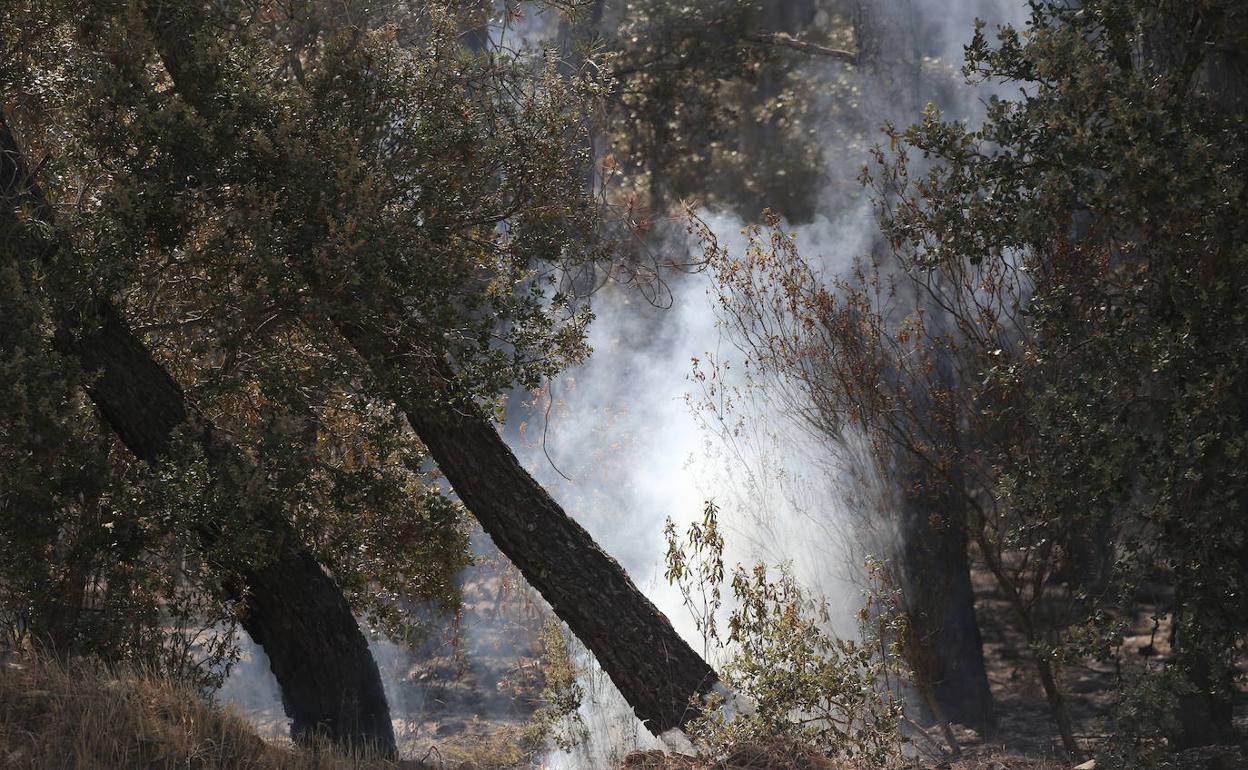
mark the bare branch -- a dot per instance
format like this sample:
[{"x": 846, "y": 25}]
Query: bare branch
[{"x": 788, "y": 41}]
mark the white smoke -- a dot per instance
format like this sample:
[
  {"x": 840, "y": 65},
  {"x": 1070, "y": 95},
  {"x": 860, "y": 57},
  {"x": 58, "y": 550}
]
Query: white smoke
[
  {"x": 250, "y": 689},
  {"x": 634, "y": 453},
  {"x": 622, "y": 450}
]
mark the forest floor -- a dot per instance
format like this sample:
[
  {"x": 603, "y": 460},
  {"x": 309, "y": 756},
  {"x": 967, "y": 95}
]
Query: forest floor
[
  {"x": 467, "y": 732},
  {"x": 469, "y": 697},
  {"x": 466, "y": 698},
  {"x": 1025, "y": 726}
]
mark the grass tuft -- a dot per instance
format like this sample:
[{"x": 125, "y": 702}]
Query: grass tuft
[{"x": 82, "y": 716}]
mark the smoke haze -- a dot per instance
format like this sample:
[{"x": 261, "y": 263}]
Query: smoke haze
[{"x": 623, "y": 447}]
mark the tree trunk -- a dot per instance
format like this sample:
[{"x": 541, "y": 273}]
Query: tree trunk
[
  {"x": 656, "y": 671},
  {"x": 940, "y": 603},
  {"x": 932, "y": 550},
  {"x": 329, "y": 681},
  {"x": 1206, "y": 716}
]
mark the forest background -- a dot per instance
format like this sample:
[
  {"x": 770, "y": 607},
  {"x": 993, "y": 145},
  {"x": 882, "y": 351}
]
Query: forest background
[{"x": 273, "y": 270}]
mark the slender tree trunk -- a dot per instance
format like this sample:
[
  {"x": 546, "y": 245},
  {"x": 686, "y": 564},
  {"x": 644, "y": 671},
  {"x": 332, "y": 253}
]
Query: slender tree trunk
[
  {"x": 329, "y": 681},
  {"x": 940, "y": 603},
  {"x": 932, "y": 550},
  {"x": 1057, "y": 702},
  {"x": 656, "y": 671}
]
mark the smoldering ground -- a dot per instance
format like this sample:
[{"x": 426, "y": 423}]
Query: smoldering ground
[{"x": 632, "y": 437}]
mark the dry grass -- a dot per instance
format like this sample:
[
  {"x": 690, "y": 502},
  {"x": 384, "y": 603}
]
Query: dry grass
[
  {"x": 482, "y": 746},
  {"x": 80, "y": 717},
  {"x": 779, "y": 755}
]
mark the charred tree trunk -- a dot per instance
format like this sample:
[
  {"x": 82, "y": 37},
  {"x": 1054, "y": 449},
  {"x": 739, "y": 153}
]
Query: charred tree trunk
[
  {"x": 1206, "y": 715},
  {"x": 330, "y": 684},
  {"x": 940, "y": 602},
  {"x": 656, "y": 671},
  {"x": 329, "y": 681},
  {"x": 934, "y": 567},
  {"x": 889, "y": 59}
]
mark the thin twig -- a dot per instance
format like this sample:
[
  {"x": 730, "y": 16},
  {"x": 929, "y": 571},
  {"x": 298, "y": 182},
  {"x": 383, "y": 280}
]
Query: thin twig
[{"x": 788, "y": 41}]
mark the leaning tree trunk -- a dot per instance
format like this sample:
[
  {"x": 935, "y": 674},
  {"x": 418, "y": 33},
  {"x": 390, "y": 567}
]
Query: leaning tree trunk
[
  {"x": 933, "y": 568},
  {"x": 329, "y": 681},
  {"x": 656, "y": 671}
]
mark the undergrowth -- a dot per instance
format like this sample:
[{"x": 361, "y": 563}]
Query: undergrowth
[
  {"x": 794, "y": 681},
  {"x": 81, "y": 716}
]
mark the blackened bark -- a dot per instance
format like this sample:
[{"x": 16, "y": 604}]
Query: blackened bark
[
  {"x": 940, "y": 601},
  {"x": 330, "y": 683},
  {"x": 1206, "y": 716},
  {"x": 934, "y": 568},
  {"x": 656, "y": 671}
]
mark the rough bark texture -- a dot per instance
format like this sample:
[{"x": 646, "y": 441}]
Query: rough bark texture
[
  {"x": 941, "y": 604},
  {"x": 932, "y": 549},
  {"x": 656, "y": 671},
  {"x": 329, "y": 681}
]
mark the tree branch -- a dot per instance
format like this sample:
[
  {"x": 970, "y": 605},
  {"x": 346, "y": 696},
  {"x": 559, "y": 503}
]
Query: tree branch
[{"x": 788, "y": 41}]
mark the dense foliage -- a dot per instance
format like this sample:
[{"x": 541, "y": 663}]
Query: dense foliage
[
  {"x": 327, "y": 218},
  {"x": 1060, "y": 292},
  {"x": 312, "y": 162}
]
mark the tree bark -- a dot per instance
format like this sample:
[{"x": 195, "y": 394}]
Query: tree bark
[
  {"x": 330, "y": 683},
  {"x": 656, "y": 671},
  {"x": 934, "y": 566},
  {"x": 940, "y": 602},
  {"x": 1206, "y": 715}
]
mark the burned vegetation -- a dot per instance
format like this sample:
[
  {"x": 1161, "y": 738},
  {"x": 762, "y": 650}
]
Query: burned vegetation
[{"x": 735, "y": 384}]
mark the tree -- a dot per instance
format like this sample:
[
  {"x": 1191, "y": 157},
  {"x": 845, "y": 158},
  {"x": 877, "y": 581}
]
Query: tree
[
  {"x": 782, "y": 314},
  {"x": 1106, "y": 189},
  {"x": 720, "y": 101},
  {"x": 409, "y": 242},
  {"x": 290, "y": 606}
]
